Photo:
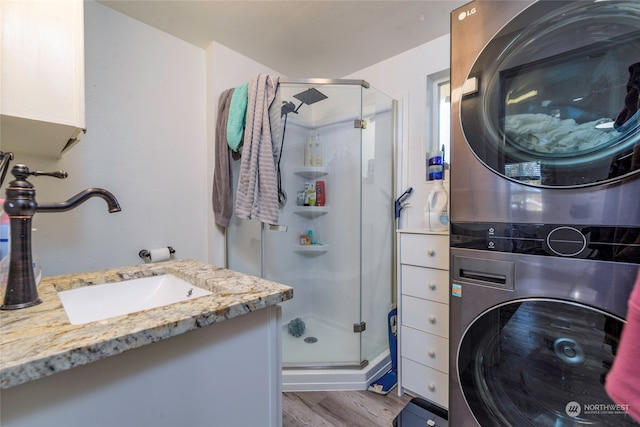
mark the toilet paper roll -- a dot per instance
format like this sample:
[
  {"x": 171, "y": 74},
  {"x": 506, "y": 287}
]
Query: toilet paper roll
[{"x": 159, "y": 254}]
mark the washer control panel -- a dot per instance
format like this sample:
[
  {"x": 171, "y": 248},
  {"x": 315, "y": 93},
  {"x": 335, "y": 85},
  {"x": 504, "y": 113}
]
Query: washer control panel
[{"x": 621, "y": 244}]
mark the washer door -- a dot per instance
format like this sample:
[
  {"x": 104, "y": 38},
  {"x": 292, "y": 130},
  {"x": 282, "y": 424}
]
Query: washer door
[
  {"x": 552, "y": 100},
  {"x": 540, "y": 362}
]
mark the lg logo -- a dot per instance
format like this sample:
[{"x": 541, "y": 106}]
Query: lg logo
[
  {"x": 573, "y": 409},
  {"x": 466, "y": 13}
]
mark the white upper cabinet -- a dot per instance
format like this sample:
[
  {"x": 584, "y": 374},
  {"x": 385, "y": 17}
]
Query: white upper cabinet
[{"x": 42, "y": 104}]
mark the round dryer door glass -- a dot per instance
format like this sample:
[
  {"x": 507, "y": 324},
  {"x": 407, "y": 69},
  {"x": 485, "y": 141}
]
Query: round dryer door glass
[
  {"x": 540, "y": 363},
  {"x": 552, "y": 100}
]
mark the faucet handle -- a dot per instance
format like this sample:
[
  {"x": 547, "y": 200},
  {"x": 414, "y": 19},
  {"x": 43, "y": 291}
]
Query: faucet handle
[
  {"x": 55, "y": 174},
  {"x": 21, "y": 172}
]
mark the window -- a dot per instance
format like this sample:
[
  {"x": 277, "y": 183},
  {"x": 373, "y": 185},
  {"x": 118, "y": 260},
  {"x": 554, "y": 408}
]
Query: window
[{"x": 439, "y": 114}]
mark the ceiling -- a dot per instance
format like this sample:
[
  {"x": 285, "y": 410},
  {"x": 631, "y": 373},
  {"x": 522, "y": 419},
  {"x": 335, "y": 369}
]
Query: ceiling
[{"x": 312, "y": 38}]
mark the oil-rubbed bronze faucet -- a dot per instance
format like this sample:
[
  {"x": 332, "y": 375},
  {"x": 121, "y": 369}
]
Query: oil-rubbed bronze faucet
[{"x": 20, "y": 204}]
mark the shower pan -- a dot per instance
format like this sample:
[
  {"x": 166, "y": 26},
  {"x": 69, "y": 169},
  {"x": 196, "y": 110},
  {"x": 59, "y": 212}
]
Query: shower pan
[{"x": 338, "y": 250}]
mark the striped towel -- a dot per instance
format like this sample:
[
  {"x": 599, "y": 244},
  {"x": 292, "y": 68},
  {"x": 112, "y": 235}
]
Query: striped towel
[{"x": 257, "y": 192}]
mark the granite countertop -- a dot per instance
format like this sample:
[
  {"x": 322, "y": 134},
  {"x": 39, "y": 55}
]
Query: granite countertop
[{"x": 40, "y": 341}]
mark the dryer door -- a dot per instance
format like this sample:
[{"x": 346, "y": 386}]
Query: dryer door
[
  {"x": 540, "y": 362},
  {"x": 552, "y": 100}
]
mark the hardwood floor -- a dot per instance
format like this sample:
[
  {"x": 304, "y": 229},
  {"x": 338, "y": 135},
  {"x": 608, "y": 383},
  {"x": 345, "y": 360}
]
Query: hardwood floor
[{"x": 341, "y": 408}]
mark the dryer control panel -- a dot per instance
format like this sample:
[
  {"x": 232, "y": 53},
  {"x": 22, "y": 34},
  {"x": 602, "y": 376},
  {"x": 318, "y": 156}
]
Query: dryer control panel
[{"x": 620, "y": 244}]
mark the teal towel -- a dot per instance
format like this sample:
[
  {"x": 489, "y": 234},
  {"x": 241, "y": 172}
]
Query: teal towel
[{"x": 237, "y": 116}]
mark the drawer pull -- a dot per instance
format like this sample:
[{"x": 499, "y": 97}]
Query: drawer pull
[
  {"x": 432, "y": 319},
  {"x": 431, "y": 353},
  {"x": 432, "y": 387},
  {"x": 431, "y": 252},
  {"x": 432, "y": 286}
]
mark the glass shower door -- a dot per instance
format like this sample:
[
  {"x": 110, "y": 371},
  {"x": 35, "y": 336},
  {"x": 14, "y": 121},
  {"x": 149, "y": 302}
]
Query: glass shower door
[
  {"x": 377, "y": 219},
  {"x": 319, "y": 255}
]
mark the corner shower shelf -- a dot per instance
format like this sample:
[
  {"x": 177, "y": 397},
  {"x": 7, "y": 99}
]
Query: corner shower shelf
[
  {"x": 311, "y": 249},
  {"x": 311, "y": 172},
  {"x": 311, "y": 212}
]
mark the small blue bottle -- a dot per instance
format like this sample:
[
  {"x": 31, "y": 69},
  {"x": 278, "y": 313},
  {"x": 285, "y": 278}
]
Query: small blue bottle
[
  {"x": 4, "y": 233},
  {"x": 435, "y": 166}
]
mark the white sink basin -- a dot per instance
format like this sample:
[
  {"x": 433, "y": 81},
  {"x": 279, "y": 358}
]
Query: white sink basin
[{"x": 98, "y": 302}]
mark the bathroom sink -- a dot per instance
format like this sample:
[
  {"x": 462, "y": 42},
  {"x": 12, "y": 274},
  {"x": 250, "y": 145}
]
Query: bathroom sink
[{"x": 98, "y": 302}]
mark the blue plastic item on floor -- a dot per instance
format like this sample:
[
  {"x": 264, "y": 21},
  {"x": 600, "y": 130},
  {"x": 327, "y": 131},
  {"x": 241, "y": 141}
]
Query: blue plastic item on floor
[{"x": 389, "y": 380}]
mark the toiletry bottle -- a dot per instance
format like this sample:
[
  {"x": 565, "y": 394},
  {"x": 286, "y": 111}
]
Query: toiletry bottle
[
  {"x": 320, "y": 195},
  {"x": 309, "y": 187},
  {"x": 312, "y": 197},
  {"x": 435, "y": 166},
  {"x": 4, "y": 232},
  {"x": 312, "y": 241},
  {"x": 309, "y": 158},
  {"x": 4, "y": 247},
  {"x": 318, "y": 160}
]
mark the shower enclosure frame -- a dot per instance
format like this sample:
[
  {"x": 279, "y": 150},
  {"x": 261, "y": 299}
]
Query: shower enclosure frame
[{"x": 377, "y": 366}]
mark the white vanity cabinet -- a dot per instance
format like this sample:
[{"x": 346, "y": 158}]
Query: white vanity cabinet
[
  {"x": 226, "y": 374},
  {"x": 42, "y": 104},
  {"x": 423, "y": 311}
]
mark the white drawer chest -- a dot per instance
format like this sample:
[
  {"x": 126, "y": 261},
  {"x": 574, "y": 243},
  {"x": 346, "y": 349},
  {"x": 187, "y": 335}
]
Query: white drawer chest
[{"x": 423, "y": 315}]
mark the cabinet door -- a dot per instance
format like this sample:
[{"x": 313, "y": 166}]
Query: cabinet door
[
  {"x": 42, "y": 80},
  {"x": 426, "y": 283},
  {"x": 427, "y": 316},
  {"x": 426, "y": 349},
  {"x": 427, "y": 382},
  {"x": 425, "y": 250}
]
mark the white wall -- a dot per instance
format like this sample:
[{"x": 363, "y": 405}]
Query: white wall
[
  {"x": 145, "y": 118},
  {"x": 404, "y": 77},
  {"x": 151, "y": 101}
]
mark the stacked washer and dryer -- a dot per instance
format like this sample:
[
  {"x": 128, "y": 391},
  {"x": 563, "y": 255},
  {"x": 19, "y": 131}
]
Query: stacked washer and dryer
[{"x": 545, "y": 208}]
